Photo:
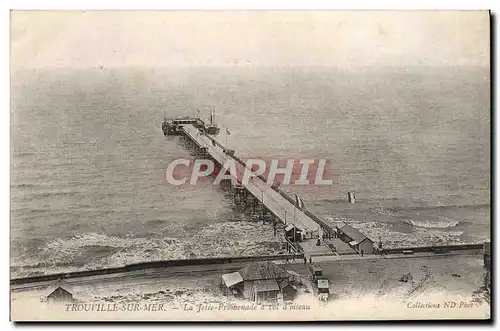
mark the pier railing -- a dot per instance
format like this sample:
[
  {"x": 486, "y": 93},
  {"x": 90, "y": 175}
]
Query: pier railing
[
  {"x": 315, "y": 218},
  {"x": 283, "y": 194}
]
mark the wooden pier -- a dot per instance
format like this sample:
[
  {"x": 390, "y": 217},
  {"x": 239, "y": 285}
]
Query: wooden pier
[{"x": 281, "y": 208}]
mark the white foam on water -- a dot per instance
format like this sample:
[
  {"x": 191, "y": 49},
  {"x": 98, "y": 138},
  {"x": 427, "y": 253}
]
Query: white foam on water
[
  {"x": 392, "y": 238},
  {"x": 101, "y": 251}
]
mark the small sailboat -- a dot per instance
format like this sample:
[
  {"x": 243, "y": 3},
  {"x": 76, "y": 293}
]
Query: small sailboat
[{"x": 351, "y": 197}]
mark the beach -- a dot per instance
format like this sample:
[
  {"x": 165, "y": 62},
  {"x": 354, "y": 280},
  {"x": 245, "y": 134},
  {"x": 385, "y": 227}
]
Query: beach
[{"x": 434, "y": 280}]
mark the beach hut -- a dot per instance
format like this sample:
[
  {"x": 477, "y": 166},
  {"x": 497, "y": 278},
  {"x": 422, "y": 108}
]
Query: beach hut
[
  {"x": 261, "y": 281},
  {"x": 294, "y": 277},
  {"x": 59, "y": 292},
  {"x": 289, "y": 291},
  {"x": 265, "y": 290},
  {"x": 293, "y": 233},
  {"x": 355, "y": 239},
  {"x": 232, "y": 284}
]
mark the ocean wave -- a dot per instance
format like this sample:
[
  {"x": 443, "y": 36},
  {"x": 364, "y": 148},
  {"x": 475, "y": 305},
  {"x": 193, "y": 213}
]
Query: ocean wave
[
  {"x": 340, "y": 220},
  {"x": 50, "y": 194},
  {"x": 444, "y": 207},
  {"x": 23, "y": 185},
  {"x": 422, "y": 237},
  {"x": 334, "y": 201},
  {"x": 101, "y": 251},
  {"x": 388, "y": 233},
  {"x": 436, "y": 224}
]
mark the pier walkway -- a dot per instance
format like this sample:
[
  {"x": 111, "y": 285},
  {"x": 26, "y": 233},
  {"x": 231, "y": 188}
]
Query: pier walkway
[{"x": 280, "y": 207}]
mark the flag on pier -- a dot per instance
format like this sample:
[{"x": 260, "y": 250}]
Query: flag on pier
[
  {"x": 320, "y": 233},
  {"x": 298, "y": 202}
]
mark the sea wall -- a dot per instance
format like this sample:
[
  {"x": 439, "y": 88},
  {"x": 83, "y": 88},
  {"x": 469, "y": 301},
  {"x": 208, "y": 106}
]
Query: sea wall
[
  {"x": 435, "y": 249},
  {"x": 153, "y": 264}
]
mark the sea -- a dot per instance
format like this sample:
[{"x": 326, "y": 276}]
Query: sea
[{"x": 88, "y": 158}]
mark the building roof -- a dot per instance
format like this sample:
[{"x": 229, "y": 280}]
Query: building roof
[
  {"x": 263, "y": 270},
  {"x": 314, "y": 268},
  {"x": 58, "y": 284},
  {"x": 323, "y": 283},
  {"x": 232, "y": 279},
  {"x": 284, "y": 283},
  {"x": 293, "y": 273},
  {"x": 353, "y": 233},
  {"x": 265, "y": 285}
]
